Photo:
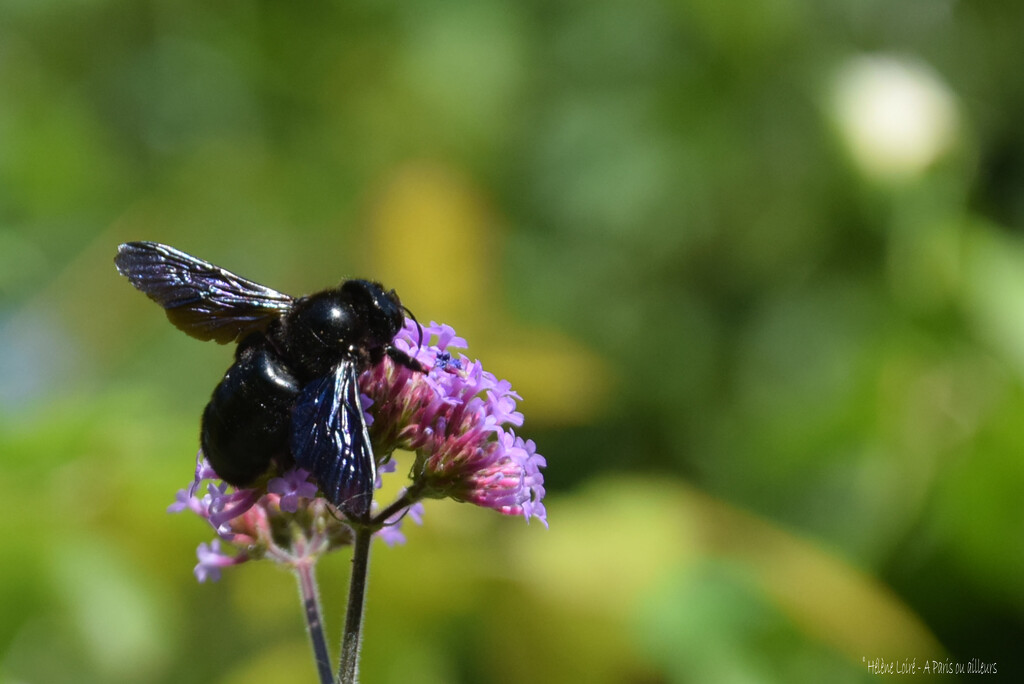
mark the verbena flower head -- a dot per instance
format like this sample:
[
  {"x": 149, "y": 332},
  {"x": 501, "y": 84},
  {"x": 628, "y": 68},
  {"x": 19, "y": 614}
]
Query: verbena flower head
[
  {"x": 283, "y": 521},
  {"x": 456, "y": 418}
]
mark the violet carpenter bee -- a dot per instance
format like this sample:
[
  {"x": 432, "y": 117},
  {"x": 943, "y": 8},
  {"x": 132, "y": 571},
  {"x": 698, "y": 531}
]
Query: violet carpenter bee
[{"x": 292, "y": 394}]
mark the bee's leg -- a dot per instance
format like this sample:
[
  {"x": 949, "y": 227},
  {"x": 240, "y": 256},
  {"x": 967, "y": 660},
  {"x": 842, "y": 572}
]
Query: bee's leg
[{"x": 403, "y": 359}]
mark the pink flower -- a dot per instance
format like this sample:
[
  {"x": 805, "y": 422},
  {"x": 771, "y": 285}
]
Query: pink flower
[{"x": 457, "y": 418}]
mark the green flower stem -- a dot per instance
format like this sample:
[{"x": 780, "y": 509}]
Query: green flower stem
[
  {"x": 314, "y": 623},
  {"x": 348, "y": 670},
  {"x": 408, "y": 498}
]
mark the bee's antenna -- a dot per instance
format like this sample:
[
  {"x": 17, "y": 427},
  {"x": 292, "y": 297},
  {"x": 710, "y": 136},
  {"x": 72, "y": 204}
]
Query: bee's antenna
[{"x": 418, "y": 326}]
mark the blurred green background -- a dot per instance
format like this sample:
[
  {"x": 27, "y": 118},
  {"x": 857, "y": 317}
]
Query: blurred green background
[{"x": 756, "y": 268}]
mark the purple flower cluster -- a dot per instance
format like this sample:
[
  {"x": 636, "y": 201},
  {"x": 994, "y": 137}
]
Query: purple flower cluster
[
  {"x": 285, "y": 522},
  {"x": 457, "y": 418}
]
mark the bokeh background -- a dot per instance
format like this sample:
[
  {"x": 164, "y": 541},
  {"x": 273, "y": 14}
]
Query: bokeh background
[{"x": 757, "y": 270}]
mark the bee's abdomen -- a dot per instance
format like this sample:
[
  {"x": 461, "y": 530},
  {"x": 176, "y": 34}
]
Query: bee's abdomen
[{"x": 246, "y": 424}]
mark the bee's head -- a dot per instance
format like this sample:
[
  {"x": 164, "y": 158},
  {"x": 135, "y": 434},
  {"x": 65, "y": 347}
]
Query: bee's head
[
  {"x": 358, "y": 319},
  {"x": 378, "y": 311}
]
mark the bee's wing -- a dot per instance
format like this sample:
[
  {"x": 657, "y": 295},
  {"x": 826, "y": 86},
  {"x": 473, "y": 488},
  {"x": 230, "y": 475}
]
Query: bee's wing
[
  {"x": 204, "y": 300},
  {"x": 330, "y": 439}
]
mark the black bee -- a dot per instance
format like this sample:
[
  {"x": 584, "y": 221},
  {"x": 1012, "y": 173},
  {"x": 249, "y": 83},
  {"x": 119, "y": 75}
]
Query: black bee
[{"x": 292, "y": 393}]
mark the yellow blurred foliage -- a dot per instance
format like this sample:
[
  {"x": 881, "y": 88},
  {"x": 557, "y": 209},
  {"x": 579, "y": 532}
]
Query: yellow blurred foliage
[{"x": 427, "y": 214}]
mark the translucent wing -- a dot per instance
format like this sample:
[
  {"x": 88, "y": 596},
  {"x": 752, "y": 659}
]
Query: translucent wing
[
  {"x": 330, "y": 439},
  {"x": 201, "y": 299}
]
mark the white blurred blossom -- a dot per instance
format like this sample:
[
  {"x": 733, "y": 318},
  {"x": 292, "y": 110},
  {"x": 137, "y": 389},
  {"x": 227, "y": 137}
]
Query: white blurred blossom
[{"x": 895, "y": 115}]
